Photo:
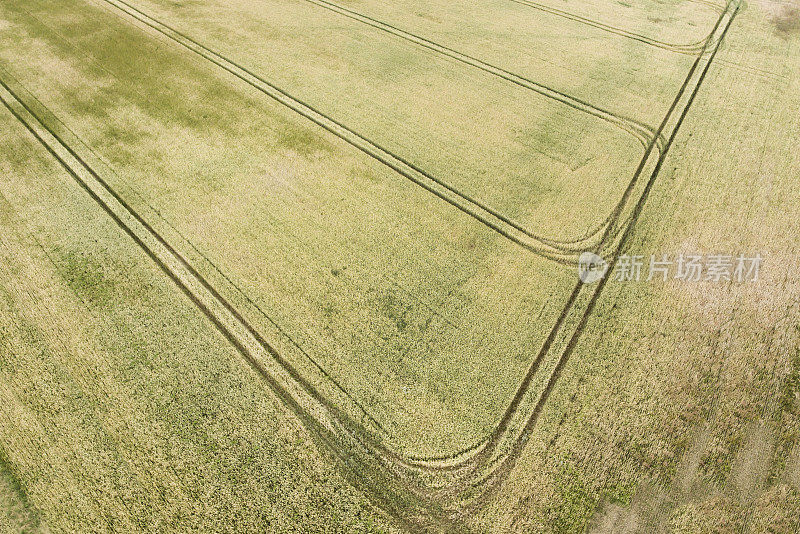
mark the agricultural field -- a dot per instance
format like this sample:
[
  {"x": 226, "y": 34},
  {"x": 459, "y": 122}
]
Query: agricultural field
[{"x": 320, "y": 266}]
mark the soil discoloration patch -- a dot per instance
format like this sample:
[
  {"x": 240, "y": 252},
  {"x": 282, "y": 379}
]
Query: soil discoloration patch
[
  {"x": 752, "y": 463},
  {"x": 16, "y": 512},
  {"x": 785, "y": 16},
  {"x": 788, "y": 21},
  {"x": 615, "y": 518}
]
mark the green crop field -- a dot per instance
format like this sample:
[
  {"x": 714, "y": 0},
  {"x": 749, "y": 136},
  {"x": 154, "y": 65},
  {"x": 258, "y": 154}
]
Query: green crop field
[{"x": 313, "y": 266}]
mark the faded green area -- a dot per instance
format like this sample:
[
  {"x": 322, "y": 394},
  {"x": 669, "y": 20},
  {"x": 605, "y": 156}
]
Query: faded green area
[{"x": 16, "y": 513}]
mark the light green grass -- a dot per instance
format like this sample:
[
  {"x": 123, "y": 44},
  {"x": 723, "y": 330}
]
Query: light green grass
[
  {"x": 425, "y": 316},
  {"x": 678, "y": 391},
  {"x": 130, "y": 413},
  {"x": 127, "y": 411},
  {"x": 16, "y": 513},
  {"x": 407, "y": 302}
]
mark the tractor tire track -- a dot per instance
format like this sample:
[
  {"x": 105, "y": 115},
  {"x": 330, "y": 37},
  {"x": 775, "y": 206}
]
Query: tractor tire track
[
  {"x": 474, "y": 480},
  {"x": 502, "y": 465},
  {"x": 197, "y": 288},
  {"x": 361, "y": 455},
  {"x": 468, "y": 479},
  {"x": 339, "y": 433},
  {"x": 445, "y": 462},
  {"x": 406, "y": 488},
  {"x": 641, "y": 131},
  {"x": 47, "y": 116},
  {"x": 490, "y": 217},
  {"x": 465, "y": 472},
  {"x": 688, "y": 49},
  {"x": 406, "y": 463},
  {"x": 528, "y": 429}
]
